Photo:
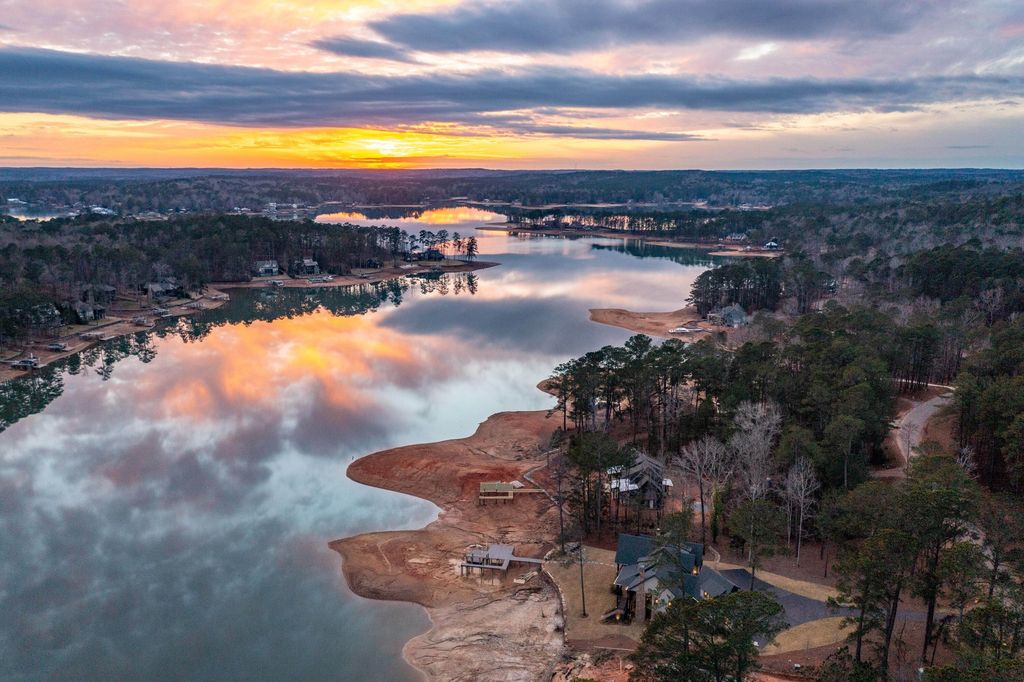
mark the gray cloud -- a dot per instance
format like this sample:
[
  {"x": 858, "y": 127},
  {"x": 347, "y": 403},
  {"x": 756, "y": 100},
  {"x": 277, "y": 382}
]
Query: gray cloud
[
  {"x": 48, "y": 81},
  {"x": 367, "y": 49},
  {"x": 564, "y": 26}
]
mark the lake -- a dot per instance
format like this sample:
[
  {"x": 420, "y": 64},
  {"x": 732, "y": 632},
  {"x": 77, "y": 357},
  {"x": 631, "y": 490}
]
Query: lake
[{"x": 166, "y": 499}]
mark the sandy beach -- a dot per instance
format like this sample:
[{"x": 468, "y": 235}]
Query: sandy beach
[
  {"x": 654, "y": 324},
  {"x": 483, "y": 628}
]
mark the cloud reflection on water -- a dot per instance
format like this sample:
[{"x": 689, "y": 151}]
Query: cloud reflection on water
[{"x": 171, "y": 522}]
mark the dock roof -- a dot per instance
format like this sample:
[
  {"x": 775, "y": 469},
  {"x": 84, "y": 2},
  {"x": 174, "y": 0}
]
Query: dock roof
[{"x": 496, "y": 487}]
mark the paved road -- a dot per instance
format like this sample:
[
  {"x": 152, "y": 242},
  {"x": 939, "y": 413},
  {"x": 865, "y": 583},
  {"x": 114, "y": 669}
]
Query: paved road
[{"x": 799, "y": 609}]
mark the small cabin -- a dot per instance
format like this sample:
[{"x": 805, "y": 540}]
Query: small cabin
[
  {"x": 307, "y": 266},
  {"x": 772, "y": 245},
  {"x": 643, "y": 482},
  {"x": 84, "y": 313},
  {"x": 163, "y": 290},
  {"x": 266, "y": 268},
  {"x": 98, "y": 293}
]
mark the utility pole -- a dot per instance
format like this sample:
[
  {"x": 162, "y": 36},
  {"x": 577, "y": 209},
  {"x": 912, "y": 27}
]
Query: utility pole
[{"x": 583, "y": 591}]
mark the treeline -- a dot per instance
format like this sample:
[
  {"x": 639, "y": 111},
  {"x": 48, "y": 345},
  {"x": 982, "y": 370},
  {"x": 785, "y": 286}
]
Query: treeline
[
  {"x": 830, "y": 374},
  {"x": 992, "y": 278},
  {"x": 989, "y": 403},
  {"x": 753, "y": 284},
  {"x": 774, "y": 439},
  {"x": 141, "y": 190},
  {"x": 197, "y": 249}
]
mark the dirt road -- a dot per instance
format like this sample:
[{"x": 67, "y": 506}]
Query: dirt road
[{"x": 910, "y": 427}]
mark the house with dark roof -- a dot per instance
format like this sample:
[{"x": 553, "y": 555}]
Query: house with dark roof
[
  {"x": 643, "y": 482},
  {"x": 307, "y": 266},
  {"x": 729, "y": 316},
  {"x": 651, "y": 576},
  {"x": 84, "y": 313},
  {"x": 103, "y": 294},
  {"x": 166, "y": 289},
  {"x": 266, "y": 268}
]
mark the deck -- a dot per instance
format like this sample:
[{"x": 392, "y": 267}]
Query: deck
[{"x": 495, "y": 558}]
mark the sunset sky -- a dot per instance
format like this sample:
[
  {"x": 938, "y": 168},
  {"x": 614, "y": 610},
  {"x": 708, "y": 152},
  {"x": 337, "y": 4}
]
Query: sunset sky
[{"x": 513, "y": 84}]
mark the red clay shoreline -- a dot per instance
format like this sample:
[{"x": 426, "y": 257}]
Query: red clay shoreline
[{"x": 486, "y": 628}]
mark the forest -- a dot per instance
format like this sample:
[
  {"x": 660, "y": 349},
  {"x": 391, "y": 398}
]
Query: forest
[
  {"x": 780, "y": 425},
  {"x": 135, "y": 190}
]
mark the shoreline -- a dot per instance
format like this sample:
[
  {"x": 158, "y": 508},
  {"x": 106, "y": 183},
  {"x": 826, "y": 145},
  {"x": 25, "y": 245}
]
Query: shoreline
[
  {"x": 655, "y": 324},
  {"x": 212, "y": 298},
  {"x": 360, "y": 276},
  {"x": 723, "y": 249},
  {"x": 113, "y": 327},
  {"x": 479, "y": 625}
]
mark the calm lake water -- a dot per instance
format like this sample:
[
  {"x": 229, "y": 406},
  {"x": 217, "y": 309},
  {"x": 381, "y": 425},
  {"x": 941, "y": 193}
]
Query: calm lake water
[{"x": 166, "y": 499}]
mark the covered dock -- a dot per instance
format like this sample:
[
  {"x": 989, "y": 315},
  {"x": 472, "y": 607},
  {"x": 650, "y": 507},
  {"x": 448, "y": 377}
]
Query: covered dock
[
  {"x": 495, "y": 558},
  {"x": 500, "y": 490}
]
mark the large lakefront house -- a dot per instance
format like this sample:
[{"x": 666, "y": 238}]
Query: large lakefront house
[{"x": 651, "y": 576}]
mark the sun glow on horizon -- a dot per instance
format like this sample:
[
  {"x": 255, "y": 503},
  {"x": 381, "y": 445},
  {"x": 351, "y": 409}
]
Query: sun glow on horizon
[{"x": 48, "y": 139}]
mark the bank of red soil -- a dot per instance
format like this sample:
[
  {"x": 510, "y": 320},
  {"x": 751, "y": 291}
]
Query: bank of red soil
[
  {"x": 482, "y": 628},
  {"x": 654, "y": 324}
]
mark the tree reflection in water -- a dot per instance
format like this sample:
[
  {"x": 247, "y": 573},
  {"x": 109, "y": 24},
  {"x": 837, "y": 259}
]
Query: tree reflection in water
[{"x": 31, "y": 394}]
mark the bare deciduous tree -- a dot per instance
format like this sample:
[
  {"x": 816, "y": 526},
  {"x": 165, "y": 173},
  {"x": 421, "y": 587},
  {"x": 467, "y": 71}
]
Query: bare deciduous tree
[
  {"x": 801, "y": 486},
  {"x": 965, "y": 458},
  {"x": 710, "y": 464},
  {"x": 757, "y": 427}
]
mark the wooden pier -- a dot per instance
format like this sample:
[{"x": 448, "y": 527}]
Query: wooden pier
[
  {"x": 494, "y": 558},
  {"x": 499, "y": 490}
]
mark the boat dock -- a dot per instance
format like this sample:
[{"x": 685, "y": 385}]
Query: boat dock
[
  {"x": 500, "y": 490},
  {"x": 494, "y": 558}
]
